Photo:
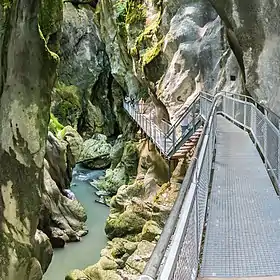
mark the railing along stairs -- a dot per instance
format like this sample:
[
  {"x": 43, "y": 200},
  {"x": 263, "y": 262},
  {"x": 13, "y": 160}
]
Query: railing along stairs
[
  {"x": 177, "y": 253},
  {"x": 173, "y": 141}
]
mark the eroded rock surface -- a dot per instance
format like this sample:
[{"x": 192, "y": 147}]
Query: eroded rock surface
[
  {"x": 25, "y": 91},
  {"x": 96, "y": 152}
]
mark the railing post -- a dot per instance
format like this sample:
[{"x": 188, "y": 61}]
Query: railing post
[
  {"x": 253, "y": 123},
  {"x": 265, "y": 139},
  {"x": 278, "y": 171},
  {"x": 173, "y": 139},
  {"x": 245, "y": 112},
  {"x": 193, "y": 118},
  {"x": 150, "y": 122},
  {"x": 165, "y": 144}
]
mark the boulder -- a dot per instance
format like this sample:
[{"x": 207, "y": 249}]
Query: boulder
[
  {"x": 150, "y": 231},
  {"x": 136, "y": 263},
  {"x": 113, "y": 179},
  {"x": 124, "y": 224},
  {"x": 125, "y": 169},
  {"x": 96, "y": 152},
  {"x": 74, "y": 141}
]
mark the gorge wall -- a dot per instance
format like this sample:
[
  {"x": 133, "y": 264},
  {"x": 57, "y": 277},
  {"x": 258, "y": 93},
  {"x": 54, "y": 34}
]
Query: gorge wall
[
  {"x": 162, "y": 51},
  {"x": 25, "y": 97}
]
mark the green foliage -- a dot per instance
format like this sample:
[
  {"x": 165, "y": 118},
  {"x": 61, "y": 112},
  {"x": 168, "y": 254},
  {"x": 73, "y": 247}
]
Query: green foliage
[
  {"x": 67, "y": 103},
  {"x": 120, "y": 8},
  {"x": 55, "y": 126},
  {"x": 6, "y": 4}
]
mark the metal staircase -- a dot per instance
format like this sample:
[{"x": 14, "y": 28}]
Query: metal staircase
[{"x": 172, "y": 141}]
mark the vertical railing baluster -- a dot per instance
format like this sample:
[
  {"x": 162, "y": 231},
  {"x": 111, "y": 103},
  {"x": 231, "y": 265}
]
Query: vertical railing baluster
[
  {"x": 254, "y": 123},
  {"x": 173, "y": 139},
  {"x": 245, "y": 112},
  {"x": 265, "y": 136},
  {"x": 278, "y": 166}
]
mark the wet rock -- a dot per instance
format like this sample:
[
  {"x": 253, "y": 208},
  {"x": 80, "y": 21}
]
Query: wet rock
[
  {"x": 61, "y": 218},
  {"x": 43, "y": 250}
]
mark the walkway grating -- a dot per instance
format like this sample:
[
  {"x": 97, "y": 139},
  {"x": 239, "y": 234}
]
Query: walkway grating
[{"x": 243, "y": 226}]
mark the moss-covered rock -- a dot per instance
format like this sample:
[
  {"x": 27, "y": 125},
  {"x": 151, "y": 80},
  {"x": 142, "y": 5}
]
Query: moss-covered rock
[
  {"x": 96, "y": 152},
  {"x": 124, "y": 171},
  {"x": 76, "y": 275},
  {"x": 150, "y": 231},
  {"x": 66, "y": 104},
  {"x": 124, "y": 224},
  {"x": 137, "y": 261},
  {"x": 74, "y": 141},
  {"x": 50, "y": 20}
]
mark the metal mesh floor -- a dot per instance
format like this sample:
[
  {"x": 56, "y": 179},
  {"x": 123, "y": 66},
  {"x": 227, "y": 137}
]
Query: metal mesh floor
[{"x": 243, "y": 228}]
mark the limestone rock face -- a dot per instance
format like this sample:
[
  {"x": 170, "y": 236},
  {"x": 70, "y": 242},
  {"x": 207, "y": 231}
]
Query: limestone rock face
[
  {"x": 83, "y": 96},
  {"x": 112, "y": 31},
  {"x": 96, "y": 152},
  {"x": 62, "y": 218},
  {"x": 43, "y": 249},
  {"x": 82, "y": 52},
  {"x": 193, "y": 49},
  {"x": 137, "y": 215},
  {"x": 253, "y": 31},
  {"x": 25, "y": 87}
]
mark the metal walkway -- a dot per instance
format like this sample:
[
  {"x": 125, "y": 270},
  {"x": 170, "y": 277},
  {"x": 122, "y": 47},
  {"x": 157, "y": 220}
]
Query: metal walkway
[
  {"x": 243, "y": 226},
  {"x": 225, "y": 222}
]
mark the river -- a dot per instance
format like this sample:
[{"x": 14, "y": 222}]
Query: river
[{"x": 87, "y": 252}]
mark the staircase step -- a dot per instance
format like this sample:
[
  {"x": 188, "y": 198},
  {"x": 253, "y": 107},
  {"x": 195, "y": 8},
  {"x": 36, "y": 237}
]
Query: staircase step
[{"x": 178, "y": 156}]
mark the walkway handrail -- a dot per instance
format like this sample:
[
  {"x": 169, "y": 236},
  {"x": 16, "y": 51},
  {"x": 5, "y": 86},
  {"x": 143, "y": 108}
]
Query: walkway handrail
[
  {"x": 152, "y": 267},
  {"x": 264, "y": 127}
]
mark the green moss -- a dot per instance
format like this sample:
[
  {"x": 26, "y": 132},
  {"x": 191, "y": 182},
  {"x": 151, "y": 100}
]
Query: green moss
[
  {"x": 130, "y": 158},
  {"x": 120, "y": 8},
  {"x": 161, "y": 191},
  {"x": 7, "y": 4},
  {"x": 50, "y": 17},
  {"x": 67, "y": 103},
  {"x": 125, "y": 224},
  {"x": 136, "y": 12},
  {"x": 151, "y": 30},
  {"x": 69, "y": 93},
  {"x": 151, "y": 53},
  {"x": 55, "y": 126}
]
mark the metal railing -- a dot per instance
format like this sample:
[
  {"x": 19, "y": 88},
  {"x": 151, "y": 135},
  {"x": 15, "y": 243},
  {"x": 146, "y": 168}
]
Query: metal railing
[
  {"x": 169, "y": 138},
  {"x": 177, "y": 253}
]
